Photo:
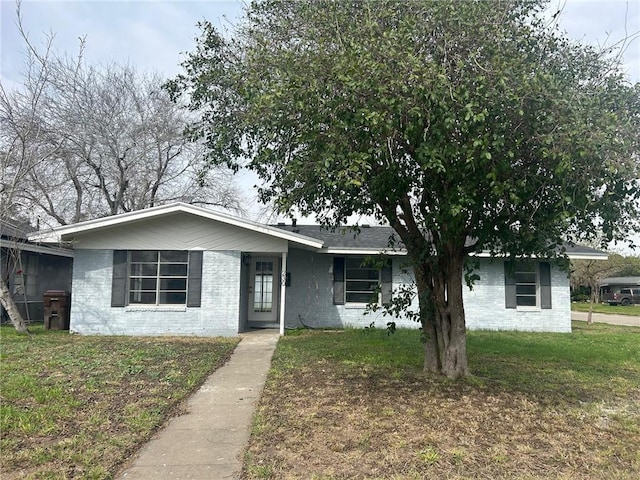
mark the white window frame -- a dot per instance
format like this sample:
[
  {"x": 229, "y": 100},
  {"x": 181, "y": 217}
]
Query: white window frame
[
  {"x": 347, "y": 279},
  {"x": 522, "y": 269},
  {"x": 158, "y": 278}
]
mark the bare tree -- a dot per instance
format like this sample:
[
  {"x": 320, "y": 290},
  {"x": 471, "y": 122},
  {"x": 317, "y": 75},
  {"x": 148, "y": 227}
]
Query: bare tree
[
  {"x": 21, "y": 151},
  {"x": 590, "y": 273},
  {"x": 79, "y": 141}
]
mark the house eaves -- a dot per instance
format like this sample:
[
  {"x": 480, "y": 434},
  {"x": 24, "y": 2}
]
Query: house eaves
[
  {"x": 67, "y": 232},
  {"x": 362, "y": 251},
  {"x": 30, "y": 247},
  {"x": 375, "y": 240}
]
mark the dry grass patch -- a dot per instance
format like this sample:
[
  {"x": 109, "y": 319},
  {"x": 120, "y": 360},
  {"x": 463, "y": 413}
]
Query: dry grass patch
[
  {"x": 357, "y": 406},
  {"x": 77, "y": 407}
]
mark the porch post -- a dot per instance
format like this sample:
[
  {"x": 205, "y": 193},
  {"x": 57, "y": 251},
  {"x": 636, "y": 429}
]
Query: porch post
[{"x": 283, "y": 290}]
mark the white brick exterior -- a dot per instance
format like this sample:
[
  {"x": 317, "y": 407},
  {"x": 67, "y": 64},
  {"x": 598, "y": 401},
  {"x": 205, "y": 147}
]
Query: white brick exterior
[
  {"x": 309, "y": 299},
  {"x": 485, "y": 304},
  {"x": 219, "y": 313}
]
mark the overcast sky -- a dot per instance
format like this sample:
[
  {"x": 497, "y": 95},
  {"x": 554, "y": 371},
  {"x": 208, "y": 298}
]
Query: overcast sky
[{"x": 154, "y": 34}]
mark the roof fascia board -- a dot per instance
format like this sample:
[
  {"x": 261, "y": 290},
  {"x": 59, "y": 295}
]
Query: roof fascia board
[
  {"x": 371, "y": 251},
  {"x": 59, "y": 233},
  {"x": 571, "y": 256},
  {"x": 588, "y": 256},
  {"x": 29, "y": 247},
  {"x": 361, "y": 251}
]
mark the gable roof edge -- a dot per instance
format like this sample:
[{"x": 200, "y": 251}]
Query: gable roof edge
[{"x": 57, "y": 234}]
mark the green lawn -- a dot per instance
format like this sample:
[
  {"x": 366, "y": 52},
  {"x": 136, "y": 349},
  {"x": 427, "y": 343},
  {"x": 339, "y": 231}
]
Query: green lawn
[
  {"x": 356, "y": 405},
  {"x": 633, "y": 310},
  {"x": 78, "y": 406}
]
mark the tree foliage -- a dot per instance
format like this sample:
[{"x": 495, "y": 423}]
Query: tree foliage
[{"x": 467, "y": 126}]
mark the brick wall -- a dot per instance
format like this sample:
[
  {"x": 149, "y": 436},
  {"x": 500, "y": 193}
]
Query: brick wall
[
  {"x": 310, "y": 299},
  {"x": 91, "y": 311},
  {"x": 484, "y": 305}
]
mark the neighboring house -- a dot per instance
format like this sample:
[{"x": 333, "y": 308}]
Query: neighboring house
[
  {"x": 184, "y": 270},
  {"x": 612, "y": 285},
  {"x": 31, "y": 269}
]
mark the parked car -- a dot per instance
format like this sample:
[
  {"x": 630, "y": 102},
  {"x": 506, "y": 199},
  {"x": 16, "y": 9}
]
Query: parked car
[{"x": 626, "y": 296}]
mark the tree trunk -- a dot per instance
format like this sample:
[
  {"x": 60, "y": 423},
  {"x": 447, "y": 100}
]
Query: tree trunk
[
  {"x": 442, "y": 318},
  {"x": 449, "y": 306},
  {"x": 432, "y": 358},
  {"x": 12, "y": 310},
  {"x": 592, "y": 298}
]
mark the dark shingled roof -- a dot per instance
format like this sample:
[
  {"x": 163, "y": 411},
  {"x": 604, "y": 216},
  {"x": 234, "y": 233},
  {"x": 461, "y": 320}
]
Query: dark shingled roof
[
  {"x": 377, "y": 237},
  {"x": 369, "y": 237}
]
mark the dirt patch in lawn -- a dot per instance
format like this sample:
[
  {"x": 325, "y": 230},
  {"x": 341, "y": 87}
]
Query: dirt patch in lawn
[{"x": 330, "y": 419}]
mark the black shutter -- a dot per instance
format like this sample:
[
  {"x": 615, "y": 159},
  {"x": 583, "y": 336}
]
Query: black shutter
[
  {"x": 119, "y": 279},
  {"x": 386, "y": 284},
  {"x": 194, "y": 285},
  {"x": 545, "y": 285},
  {"x": 338, "y": 280},
  {"x": 510, "y": 300}
]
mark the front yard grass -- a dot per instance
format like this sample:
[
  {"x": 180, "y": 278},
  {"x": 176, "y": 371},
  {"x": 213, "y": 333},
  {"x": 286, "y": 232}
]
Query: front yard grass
[
  {"x": 355, "y": 404},
  {"x": 631, "y": 310},
  {"x": 78, "y": 407}
]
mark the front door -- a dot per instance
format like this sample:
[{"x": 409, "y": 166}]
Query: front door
[{"x": 263, "y": 289}]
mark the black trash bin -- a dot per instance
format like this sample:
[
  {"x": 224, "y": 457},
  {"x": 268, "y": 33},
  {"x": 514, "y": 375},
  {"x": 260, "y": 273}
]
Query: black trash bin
[{"x": 56, "y": 310}]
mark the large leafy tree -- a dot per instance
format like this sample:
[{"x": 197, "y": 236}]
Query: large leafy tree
[{"x": 466, "y": 126}]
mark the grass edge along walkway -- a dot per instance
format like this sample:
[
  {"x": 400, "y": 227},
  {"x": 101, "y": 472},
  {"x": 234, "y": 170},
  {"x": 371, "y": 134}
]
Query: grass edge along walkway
[{"x": 78, "y": 406}]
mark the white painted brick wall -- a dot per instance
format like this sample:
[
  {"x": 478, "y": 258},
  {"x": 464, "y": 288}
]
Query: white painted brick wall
[
  {"x": 91, "y": 311},
  {"x": 484, "y": 305},
  {"x": 310, "y": 299}
]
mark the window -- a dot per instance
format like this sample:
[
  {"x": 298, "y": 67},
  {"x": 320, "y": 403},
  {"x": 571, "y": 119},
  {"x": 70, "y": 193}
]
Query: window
[
  {"x": 526, "y": 276},
  {"x": 361, "y": 281},
  {"x": 156, "y": 277},
  {"x": 357, "y": 282},
  {"x": 527, "y": 285},
  {"x": 263, "y": 285}
]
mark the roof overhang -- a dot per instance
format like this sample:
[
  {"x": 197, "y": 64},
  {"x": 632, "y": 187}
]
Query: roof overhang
[
  {"x": 66, "y": 233},
  {"x": 485, "y": 254},
  {"x": 588, "y": 256},
  {"x": 361, "y": 251},
  {"x": 572, "y": 256},
  {"x": 30, "y": 247}
]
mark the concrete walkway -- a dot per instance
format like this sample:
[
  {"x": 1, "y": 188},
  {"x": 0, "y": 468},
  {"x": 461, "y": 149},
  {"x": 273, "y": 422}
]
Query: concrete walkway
[{"x": 207, "y": 441}]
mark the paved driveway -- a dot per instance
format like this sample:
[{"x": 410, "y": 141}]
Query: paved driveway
[{"x": 633, "y": 321}]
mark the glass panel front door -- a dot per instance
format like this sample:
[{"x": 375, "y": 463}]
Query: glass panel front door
[{"x": 264, "y": 289}]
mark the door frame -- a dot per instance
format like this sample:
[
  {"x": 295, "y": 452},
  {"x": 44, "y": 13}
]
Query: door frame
[{"x": 271, "y": 317}]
